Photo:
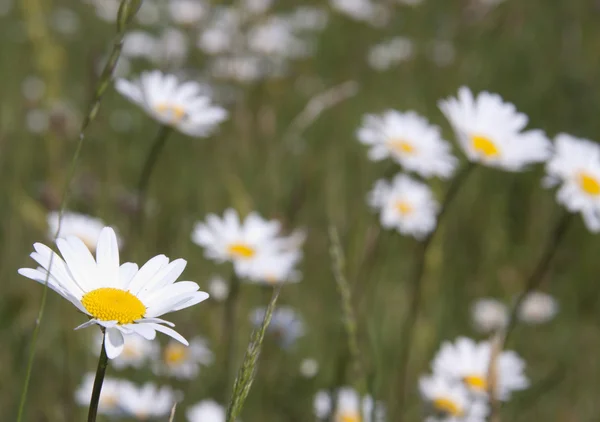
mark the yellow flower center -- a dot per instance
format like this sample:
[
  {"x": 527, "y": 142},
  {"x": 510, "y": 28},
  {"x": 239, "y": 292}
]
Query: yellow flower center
[
  {"x": 348, "y": 417},
  {"x": 447, "y": 406},
  {"x": 588, "y": 183},
  {"x": 175, "y": 113},
  {"x": 175, "y": 353},
  {"x": 241, "y": 250},
  {"x": 404, "y": 207},
  {"x": 401, "y": 146},
  {"x": 484, "y": 146},
  {"x": 475, "y": 382},
  {"x": 109, "y": 304}
]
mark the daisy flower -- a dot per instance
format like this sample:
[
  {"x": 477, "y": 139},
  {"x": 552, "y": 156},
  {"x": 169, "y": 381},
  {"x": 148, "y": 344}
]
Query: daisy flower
[
  {"x": 410, "y": 140},
  {"x": 83, "y": 226},
  {"x": 350, "y": 407},
  {"x": 274, "y": 268},
  {"x": 309, "y": 368},
  {"x": 206, "y": 411},
  {"x": 489, "y": 315},
  {"x": 286, "y": 324},
  {"x": 188, "y": 12},
  {"x": 406, "y": 205},
  {"x": 184, "y": 362},
  {"x": 218, "y": 288},
  {"x": 575, "y": 165},
  {"x": 537, "y": 308},
  {"x": 450, "y": 402},
  {"x": 173, "y": 103},
  {"x": 121, "y": 299},
  {"x": 240, "y": 242},
  {"x": 491, "y": 131},
  {"x": 468, "y": 361},
  {"x": 136, "y": 351},
  {"x": 147, "y": 401},
  {"x": 109, "y": 396}
]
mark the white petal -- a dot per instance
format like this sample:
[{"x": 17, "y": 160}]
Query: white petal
[
  {"x": 148, "y": 270},
  {"x": 170, "y": 332},
  {"x": 144, "y": 330},
  {"x": 86, "y": 324},
  {"x": 126, "y": 272},
  {"x": 113, "y": 342},
  {"x": 107, "y": 257}
]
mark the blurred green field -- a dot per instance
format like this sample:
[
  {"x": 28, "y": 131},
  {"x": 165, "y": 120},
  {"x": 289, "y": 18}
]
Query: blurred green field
[{"x": 542, "y": 55}]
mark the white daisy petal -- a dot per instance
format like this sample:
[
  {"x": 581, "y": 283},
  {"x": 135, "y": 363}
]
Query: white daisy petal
[{"x": 113, "y": 342}]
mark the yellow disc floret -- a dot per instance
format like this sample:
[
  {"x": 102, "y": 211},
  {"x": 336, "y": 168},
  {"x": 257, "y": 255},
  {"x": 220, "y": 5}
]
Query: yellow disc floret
[
  {"x": 447, "y": 406},
  {"x": 241, "y": 250},
  {"x": 110, "y": 304},
  {"x": 175, "y": 353},
  {"x": 484, "y": 146}
]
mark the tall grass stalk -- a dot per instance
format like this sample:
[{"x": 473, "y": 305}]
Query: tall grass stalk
[
  {"x": 127, "y": 11},
  {"x": 415, "y": 286},
  {"x": 348, "y": 314},
  {"x": 247, "y": 371},
  {"x": 98, "y": 380}
]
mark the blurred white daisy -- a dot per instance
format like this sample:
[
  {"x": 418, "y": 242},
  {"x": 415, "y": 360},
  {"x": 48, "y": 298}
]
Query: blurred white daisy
[
  {"x": 275, "y": 36},
  {"x": 575, "y": 165},
  {"x": 206, "y": 411},
  {"x": 109, "y": 403},
  {"x": 146, "y": 402},
  {"x": 241, "y": 242},
  {"x": 33, "y": 88},
  {"x": 218, "y": 288},
  {"x": 410, "y": 140},
  {"x": 138, "y": 44},
  {"x": 256, "y": 6},
  {"x": 406, "y": 205},
  {"x": 275, "y": 267},
  {"x": 449, "y": 401},
  {"x": 82, "y": 226},
  {"x": 180, "y": 105},
  {"x": 137, "y": 351},
  {"x": 538, "y": 308},
  {"x": 374, "y": 13},
  {"x": 184, "y": 362},
  {"x": 243, "y": 69},
  {"x": 307, "y": 18},
  {"x": 121, "y": 299},
  {"x": 219, "y": 34},
  {"x": 350, "y": 407},
  {"x": 489, "y": 315},
  {"x": 389, "y": 53},
  {"x": 172, "y": 47},
  {"x": 286, "y": 324},
  {"x": 468, "y": 361},
  {"x": 188, "y": 12},
  {"x": 491, "y": 131},
  {"x": 309, "y": 368}
]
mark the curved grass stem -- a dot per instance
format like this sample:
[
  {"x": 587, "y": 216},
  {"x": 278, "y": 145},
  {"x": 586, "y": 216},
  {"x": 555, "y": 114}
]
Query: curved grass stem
[{"x": 127, "y": 11}]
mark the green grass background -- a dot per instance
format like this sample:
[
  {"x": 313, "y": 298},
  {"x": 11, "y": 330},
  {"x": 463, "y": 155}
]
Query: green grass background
[{"x": 543, "y": 55}]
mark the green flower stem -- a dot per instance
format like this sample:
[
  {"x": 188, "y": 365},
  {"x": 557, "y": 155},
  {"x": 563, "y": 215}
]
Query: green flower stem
[
  {"x": 531, "y": 284},
  {"x": 100, "y": 372},
  {"x": 407, "y": 333},
  {"x": 150, "y": 163},
  {"x": 229, "y": 330},
  {"x": 127, "y": 11}
]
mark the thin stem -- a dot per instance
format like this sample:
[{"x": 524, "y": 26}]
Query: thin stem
[
  {"x": 229, "y": 328},
  {"x": 540, "y": 269},
  {"x": 150, "y": 163},
  {"x": 100, "y": 372},
  {"x": 415, "y": 286},
  {"x": 127, "y": 11},
  {"x": 532, "y": 282},
  {"x": 348, "y": 314}
]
